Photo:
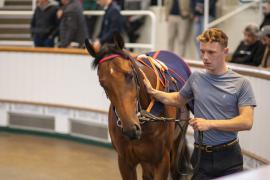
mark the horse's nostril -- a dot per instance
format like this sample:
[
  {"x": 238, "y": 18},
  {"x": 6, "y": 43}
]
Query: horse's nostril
[
  {"x": 138, "y": 131},
  {"x": 133, "y": 133}
]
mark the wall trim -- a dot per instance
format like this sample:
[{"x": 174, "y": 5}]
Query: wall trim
[{"x": 56, "y": 135}]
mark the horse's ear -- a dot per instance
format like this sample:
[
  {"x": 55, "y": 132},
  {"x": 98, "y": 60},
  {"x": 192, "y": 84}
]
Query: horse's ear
[
  {"x": 118, "y": 40},
  {"x": 90, "y": 48}
]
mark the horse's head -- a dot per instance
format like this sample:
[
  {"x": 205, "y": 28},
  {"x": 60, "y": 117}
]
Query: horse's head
[{"x": 119, "y": 78}]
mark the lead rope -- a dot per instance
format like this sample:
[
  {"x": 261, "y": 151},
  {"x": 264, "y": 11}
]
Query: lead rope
[{"x": 200, "y": 142}]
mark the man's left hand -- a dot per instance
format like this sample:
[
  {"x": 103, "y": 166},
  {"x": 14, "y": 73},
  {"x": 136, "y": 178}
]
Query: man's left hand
[
  {"x": 200, "y": 124},
  {"x": 96, "y": 45}
]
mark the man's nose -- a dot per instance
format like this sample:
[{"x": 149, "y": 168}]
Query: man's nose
[{"x": 205, "y": 56}]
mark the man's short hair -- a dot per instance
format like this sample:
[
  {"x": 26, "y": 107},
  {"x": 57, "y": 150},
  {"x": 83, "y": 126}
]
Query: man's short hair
[
  {"x": 214, "y": 35},
  {"x": 252, "y": 29}
]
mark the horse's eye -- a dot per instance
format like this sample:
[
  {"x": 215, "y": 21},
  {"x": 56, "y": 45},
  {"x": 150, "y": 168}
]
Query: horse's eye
[{"x": 128, "y": 76}]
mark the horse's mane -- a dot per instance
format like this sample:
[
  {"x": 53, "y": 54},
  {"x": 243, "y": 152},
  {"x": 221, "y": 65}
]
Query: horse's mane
[{"x": 106, "y": 50}]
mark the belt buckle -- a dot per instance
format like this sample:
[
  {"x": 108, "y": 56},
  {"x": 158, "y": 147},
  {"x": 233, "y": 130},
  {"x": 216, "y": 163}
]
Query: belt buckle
[{"x": 207, "y": 149}]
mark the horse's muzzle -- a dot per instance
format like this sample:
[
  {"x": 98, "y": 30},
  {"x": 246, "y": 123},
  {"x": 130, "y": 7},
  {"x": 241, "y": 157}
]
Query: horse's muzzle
[{"x": 133, "y": 133}]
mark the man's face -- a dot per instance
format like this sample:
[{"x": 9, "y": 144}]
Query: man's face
[
  {"x": 42, "y": 3},
  {"x": 64, "y": 2},
  {"x": 213, "y": 56},
  {"x": 102, "y": 3},
  {"x": 249, "y": 38}
]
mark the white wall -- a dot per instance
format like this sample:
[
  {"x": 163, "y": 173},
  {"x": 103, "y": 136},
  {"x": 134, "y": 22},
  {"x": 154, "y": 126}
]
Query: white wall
[{"x": 50, "y": 78}]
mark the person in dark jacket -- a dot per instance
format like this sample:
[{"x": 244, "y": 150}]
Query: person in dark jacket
[
  {"x": 73, "y": 29},
  {"x": 198, "y": 12},
  {"x": 112, "y": 22},
  {"x": 266, "y": 19},
  {"x": 265, "y": 33},
  {"x": 250, "y": 50},
  {"x": 44, "y": 24}
]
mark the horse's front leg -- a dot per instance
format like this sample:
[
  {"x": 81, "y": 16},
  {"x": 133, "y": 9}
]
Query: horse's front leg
[
  {"x": 147, "y": 171},
  {"x": 163, "y": 168},
  {"x": 128, "y": 172}
]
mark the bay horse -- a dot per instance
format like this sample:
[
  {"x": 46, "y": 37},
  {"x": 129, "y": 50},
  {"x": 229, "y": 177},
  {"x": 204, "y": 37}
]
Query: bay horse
[{"x": 152, "y": 145}]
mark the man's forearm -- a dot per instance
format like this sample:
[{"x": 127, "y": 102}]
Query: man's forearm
[
  {"x": 239, "y": 123},
  {"x": 236, "y": 124},
  {"x": 171, "y": 99}
]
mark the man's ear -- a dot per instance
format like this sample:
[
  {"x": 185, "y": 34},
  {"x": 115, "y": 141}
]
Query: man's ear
[
  {"x": 90, "y": 48},
  {"x": 226, "y": 51},
  {"x": 118, "y": 40}
]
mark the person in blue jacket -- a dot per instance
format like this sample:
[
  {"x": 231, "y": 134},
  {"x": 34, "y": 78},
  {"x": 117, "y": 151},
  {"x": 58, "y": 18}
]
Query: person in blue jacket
[{"x": 112, "y": 22}]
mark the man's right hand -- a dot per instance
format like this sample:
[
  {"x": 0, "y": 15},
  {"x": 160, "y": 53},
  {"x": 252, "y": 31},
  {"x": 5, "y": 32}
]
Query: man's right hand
[{"x": 147, "y": 84}]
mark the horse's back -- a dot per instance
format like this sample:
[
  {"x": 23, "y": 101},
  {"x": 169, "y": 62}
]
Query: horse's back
[
  {"x": 178, "y": 68},
  {"x": 173, "y": 62}
]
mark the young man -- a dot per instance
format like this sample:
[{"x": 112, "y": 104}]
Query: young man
[{"x": 223, "y": 105}]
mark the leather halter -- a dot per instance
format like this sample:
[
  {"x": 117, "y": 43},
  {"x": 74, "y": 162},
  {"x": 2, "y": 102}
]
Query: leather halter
[
  {"x": 150, "y": 106},
  {"x": 139, "y": 108},
  {"x": 143, "y": 115}
]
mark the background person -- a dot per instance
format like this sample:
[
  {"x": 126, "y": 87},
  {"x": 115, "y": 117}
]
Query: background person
[
  {"x": 179, "y": 17},
  {"x": 250, "y": 50},
  {"x": 266, "y": 18},
  {"x": 44, "y": 24},
  {"x": 73, "y": 29},
  {"x": 265, "y": 62},
  {"x": 112, "y": 22}
]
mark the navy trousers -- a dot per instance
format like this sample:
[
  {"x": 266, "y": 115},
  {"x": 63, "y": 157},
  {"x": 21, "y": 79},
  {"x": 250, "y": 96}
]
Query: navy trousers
[{"x": 217, "y": 164}]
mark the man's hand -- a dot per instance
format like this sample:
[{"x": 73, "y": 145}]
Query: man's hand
[
  {"x": 147, "y": 84},
  {"x": 96, "y": 45},
  {"x": 200, "y": 124},
  {"x": 59, "y": 13}
]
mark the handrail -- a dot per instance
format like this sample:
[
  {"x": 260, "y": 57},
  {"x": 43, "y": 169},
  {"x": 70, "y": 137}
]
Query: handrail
[
  {"x": 241, "y": 69},
  {"x": 52, "y": 105},
  {"x": 150, "y": 45}
]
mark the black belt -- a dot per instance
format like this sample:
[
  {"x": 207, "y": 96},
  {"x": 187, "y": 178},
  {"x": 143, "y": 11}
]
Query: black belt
[{"x": 216, "y": 148}]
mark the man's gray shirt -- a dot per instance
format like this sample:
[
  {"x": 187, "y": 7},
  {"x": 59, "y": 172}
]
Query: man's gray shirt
[{"x": 217, "y": 97}]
